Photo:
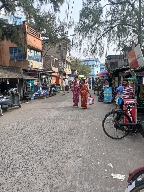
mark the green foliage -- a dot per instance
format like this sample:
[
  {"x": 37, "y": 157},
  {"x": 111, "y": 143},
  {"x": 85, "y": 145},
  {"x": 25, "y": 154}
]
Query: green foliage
[
  {"x": 36, "y": 18},
  {"x": 81, "y": 69},
  {"x": 119, "y": 22}
]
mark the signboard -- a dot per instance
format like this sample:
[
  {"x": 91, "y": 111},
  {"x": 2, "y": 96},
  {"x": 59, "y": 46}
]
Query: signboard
[
  {"x": 110, "y": 57},
  {"x": 133, "y": 110},
  {"x": 139, "y": 55},
  {"x": 107, "y": 94},
  {"x": 132, "y": 60},
  {"x": 34, "y": 55}
]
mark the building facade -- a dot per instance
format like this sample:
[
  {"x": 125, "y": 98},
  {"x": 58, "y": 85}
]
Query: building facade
[
  {"x": 27, "y": 59},
  {"x": 13, "y": 19},
  {"x": 102, "y": 67},
  {"x": 94, "y": 65},
  {"x": 55, "y": 59}
]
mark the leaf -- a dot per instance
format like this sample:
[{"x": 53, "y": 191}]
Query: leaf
[{"x": 114, "y": 23}]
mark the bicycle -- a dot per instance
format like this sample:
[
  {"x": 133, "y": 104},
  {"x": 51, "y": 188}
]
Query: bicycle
[{"x": 120, "y": 127}]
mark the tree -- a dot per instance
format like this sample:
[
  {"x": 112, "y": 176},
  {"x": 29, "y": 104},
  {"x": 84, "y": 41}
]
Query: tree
[
  {"x": 38, "y": 19},
  {"x": 118, "y": 21},
  {"x": 81, "y": 69}
]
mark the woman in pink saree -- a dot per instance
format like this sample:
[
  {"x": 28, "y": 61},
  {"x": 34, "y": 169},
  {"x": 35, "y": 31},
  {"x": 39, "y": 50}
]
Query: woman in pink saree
[{"x": 75, "y": 89}]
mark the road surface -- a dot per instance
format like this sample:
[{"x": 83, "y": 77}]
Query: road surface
[{"x": 50, "y": 146}]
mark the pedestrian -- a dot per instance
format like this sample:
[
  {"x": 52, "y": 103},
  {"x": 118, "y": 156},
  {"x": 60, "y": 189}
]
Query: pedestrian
[
  {"x": 75, "y": 89},
  {"x": 93, "y": 83},
  {"x": 84, "y": 94},
  {"x": 63, "y": 86},
  {"x": 89, "y": 83},
  {"x": 119, "y": 91},
  {"x": 66, "y": 85}
]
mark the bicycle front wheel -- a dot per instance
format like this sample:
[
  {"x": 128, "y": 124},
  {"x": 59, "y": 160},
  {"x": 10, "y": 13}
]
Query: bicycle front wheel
[{"x": 109, "y": 125}]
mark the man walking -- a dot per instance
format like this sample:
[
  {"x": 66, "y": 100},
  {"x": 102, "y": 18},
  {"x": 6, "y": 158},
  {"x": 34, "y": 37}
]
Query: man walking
[{"x": 66, "y": 85}]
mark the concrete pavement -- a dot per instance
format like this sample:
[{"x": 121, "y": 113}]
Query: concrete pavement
[{"x": 50, "y": 146}]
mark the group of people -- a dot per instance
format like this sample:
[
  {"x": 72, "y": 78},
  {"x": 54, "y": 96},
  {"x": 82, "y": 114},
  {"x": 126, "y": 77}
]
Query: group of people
[{"x": 80, "y": 88}]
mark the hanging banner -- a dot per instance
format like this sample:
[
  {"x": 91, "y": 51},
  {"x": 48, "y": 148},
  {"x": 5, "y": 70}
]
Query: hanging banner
[
  {"x": 139, "y": 56},
  {"x": 107, "y": 94},
  {"x": 135, "y": 58},
  {"x": 132, "y": 60}
]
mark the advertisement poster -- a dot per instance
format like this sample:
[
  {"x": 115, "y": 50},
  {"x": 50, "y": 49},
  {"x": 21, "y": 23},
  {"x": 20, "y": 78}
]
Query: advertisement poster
[
  {"x": 107, "y": 94},
  {"x": 133, "y": 110}
]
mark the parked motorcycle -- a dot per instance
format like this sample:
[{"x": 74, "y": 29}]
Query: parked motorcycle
[
  {"x": 136, "y": 174},
  {"x": 136, "y": 180},
  {"x": 52, "y": 90},
  {"x": 101, "y": 96},
  {"x": 11, "y": 100}
]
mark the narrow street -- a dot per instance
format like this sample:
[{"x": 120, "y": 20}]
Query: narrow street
[{"x": 50, "y": 146}]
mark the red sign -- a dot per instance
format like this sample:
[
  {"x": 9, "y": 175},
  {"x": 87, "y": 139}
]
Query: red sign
[
  {"x": 132, "y": 59},
  {"x": 132, "y": 112}
]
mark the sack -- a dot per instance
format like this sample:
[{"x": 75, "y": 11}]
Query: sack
[{"x": 90, "y": 100}]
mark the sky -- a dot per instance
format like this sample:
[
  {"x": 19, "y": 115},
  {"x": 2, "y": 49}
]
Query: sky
[{"x": 74, "y": 10}]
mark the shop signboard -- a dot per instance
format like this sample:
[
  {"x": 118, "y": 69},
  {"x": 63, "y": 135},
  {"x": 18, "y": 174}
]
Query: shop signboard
[
  {"x": 133, "y": 110},
  {"x": 132, "y": 60},
  {"x": 107, "y": 94},
  {"x": 139, "y": 56}
]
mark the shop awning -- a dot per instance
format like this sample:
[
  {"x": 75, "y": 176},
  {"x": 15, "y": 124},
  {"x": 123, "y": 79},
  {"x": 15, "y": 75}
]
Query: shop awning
[
  {"x": 6, "y": 73},
  {"x": 9, "y": 74},
  {"x": 81, "y": 76},
  {"x": 26, "y": 77}
]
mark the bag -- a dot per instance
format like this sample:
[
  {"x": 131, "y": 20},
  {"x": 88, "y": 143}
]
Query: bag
[
  {"x": 66, "y": 88},
  {"x": 120, "y": 100},
  {"x": 90, "y": 100},
  {"x": 72, "y": 88}
]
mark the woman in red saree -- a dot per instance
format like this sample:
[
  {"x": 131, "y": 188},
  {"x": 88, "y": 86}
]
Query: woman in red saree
[
  {"x": 75, "y": 89},
  {"x": 84, "y": 94}
]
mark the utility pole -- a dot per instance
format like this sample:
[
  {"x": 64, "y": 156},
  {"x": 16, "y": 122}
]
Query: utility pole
[{"x": 140, "y": 24}]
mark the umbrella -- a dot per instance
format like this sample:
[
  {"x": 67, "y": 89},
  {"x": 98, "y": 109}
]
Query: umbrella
[
  {"x": 100, "y": 75},
  {"x": 105, "y": 72}
]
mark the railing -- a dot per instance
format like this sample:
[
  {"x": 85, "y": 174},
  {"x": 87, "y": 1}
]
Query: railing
[{"x": 33, "y": 32}]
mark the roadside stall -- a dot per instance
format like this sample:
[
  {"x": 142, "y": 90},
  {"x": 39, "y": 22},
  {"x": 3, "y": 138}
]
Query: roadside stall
[{"x": 140, "y": 91}]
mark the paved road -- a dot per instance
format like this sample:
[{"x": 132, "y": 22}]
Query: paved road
[{"x": 49, "y": 146}]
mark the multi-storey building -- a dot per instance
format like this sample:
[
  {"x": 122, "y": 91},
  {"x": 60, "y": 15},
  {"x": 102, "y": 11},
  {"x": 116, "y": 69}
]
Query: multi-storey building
[
  {"x": 94, "y": 65},
  {"x": 56, "y": 59},
  {"x": 102, "y": 67},
  {"x": 27, "y": 59}
]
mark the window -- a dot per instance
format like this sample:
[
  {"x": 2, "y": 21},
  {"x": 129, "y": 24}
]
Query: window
[{"x": 16, "y": 54}]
